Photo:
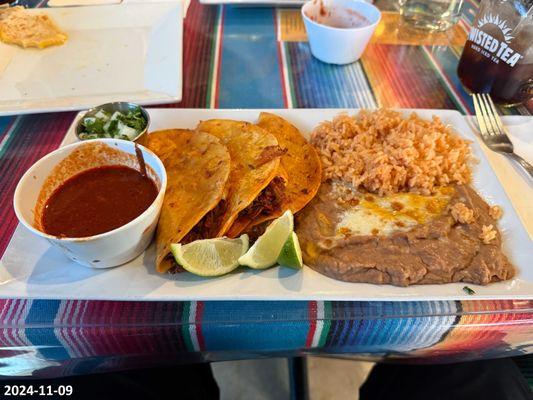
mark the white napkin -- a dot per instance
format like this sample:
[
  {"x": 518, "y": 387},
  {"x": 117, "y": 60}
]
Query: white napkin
[{"x": 517, "y": 184}]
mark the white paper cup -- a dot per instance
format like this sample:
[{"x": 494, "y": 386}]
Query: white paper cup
[{"x": 338, "y": 45}]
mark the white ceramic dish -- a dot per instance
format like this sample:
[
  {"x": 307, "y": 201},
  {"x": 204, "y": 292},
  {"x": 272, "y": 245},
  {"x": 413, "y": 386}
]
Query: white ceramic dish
[
  {"x": 125, "y": 52},
  {"x": 105, "y": 250},
  {"x": 336, "y": 45},
  {"x": 32, "y": 268}
]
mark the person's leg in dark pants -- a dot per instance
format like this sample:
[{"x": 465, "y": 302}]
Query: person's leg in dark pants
[{"x": 498, "y": 379}]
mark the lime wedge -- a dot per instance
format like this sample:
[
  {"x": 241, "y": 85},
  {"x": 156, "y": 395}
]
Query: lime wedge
[
  {"x": 291, "y": 254},
  {"x": 266, "y": 249},
  {"x": 210, "y": 257}
]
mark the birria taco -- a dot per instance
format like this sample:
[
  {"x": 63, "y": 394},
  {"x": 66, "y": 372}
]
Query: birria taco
[
  {"x": 255, "y": 166},
  {"x": 198, "y": 167},
  {"x": 296, "y": 183}
]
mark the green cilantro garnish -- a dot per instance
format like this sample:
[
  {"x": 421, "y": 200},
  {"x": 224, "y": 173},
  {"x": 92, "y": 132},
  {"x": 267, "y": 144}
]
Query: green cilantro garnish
[
  {"x": 468, "y": 291},
  {"x": 117, "y": 125}
]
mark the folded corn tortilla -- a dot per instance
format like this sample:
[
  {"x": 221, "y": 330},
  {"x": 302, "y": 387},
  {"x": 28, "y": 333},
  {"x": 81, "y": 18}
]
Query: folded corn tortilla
[
  {"x": 198, "y": 168},
  {"x": 300, "y": 172},
  {"x": 255, "y": 160}
]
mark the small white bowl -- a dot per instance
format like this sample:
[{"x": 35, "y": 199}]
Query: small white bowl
[
  {"x": 107, "y": 249},
  {"x": 335, "y": 45}
]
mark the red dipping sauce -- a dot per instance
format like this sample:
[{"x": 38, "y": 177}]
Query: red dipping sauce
[{"x": 97, "y": 200}]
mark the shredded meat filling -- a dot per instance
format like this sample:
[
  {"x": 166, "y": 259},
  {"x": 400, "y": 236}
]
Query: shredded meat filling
[
  {"x": 269, "y": 200},
  {"x": 207, "y": 226}
]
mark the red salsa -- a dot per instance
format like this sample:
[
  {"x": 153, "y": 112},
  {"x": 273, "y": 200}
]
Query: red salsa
[{"x": 97, "y": 200}]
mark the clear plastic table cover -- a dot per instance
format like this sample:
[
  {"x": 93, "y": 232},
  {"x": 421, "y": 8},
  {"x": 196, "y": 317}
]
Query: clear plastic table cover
[{"x": 248, "y": 58}]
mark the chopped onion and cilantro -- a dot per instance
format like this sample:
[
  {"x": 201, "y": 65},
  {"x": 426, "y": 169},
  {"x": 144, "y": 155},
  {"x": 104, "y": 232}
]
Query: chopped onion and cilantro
[{"x": 117, "y": 125}]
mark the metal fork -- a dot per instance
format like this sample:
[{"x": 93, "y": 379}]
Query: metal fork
[{"x": 493, "y": 132}]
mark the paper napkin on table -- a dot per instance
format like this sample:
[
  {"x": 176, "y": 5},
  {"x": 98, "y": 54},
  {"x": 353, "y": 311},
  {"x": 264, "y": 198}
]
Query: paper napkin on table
[
  {"x": 521, "y": 133},
  {"x": 517, "y": 184}
]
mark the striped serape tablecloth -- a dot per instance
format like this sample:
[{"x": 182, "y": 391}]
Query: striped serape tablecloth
[{"x": 258, "y": 58}]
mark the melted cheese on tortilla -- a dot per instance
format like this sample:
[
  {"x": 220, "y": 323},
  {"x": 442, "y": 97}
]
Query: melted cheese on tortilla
[
  {"x": 18, "y": 26},
  {"x": 398, "y": 212}
]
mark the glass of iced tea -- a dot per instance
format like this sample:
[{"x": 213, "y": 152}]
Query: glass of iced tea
[{"x": 498, "y": 54}]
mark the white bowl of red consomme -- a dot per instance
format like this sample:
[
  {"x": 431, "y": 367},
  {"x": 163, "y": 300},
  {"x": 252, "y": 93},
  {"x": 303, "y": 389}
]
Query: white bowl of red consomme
[{"x": 97, "y": 201}]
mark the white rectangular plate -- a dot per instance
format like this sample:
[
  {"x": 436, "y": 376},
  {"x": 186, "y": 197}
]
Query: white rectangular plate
[
  {"x": 32, "y": 268},
  {"x": 127, "y": 52}
]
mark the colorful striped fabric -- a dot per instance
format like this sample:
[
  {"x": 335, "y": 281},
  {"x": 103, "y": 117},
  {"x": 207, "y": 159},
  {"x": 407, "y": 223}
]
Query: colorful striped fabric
[
  {"x": 233, "y": 58},
  {"x": 66, "y": 337}
]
